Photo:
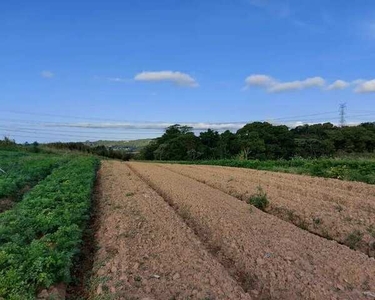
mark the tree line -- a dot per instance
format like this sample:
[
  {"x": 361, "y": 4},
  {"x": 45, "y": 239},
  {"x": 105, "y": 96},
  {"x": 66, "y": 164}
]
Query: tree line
[
  {"x": 96, "y": 150},
  {"x": 261, "y": 140}
]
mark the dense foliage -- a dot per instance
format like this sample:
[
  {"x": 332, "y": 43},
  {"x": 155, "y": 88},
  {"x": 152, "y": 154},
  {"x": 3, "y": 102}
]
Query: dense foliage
[
  {"x": 132, "y": 146},
  {"x": 8, "y": 144},
  {"x": 339, "y": 168},
  {"x": 261, "y": 140},
  {"x": 96, "y": 150},
  {"x": 22, "y": 170},
  {"x": 41, "y": 234}
]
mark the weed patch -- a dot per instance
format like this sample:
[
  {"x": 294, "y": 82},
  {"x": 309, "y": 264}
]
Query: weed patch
[
  {"x": 353, "y": 239},
  {"x": 259, "y": 200}
]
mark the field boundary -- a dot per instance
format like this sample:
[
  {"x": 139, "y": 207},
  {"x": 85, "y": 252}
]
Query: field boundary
[
  {"x": 82, "y": 269},
  {"x": 342, "y": 169}
]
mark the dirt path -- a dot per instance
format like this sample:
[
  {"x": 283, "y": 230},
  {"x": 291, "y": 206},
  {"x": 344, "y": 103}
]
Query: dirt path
[
  {"x": 343, "y": 211},
  {"x": 273, "y": 259},
  {"x": 145, "y": 250}
]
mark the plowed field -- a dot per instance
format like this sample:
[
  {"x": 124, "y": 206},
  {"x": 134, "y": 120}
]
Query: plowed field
[
  {"x": 342, "y": 211},
  {"x": 175, "y": 232}
]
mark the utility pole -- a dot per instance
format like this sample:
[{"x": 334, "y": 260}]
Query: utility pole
[{"x": 342, "y": 114}]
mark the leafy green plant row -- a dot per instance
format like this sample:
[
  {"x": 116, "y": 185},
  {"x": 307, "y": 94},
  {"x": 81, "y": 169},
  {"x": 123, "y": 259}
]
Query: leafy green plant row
[
  {"x": 345, "y": 169},
  {"x": 24, "y": 170},
  {"x": 40, "y": 236}
]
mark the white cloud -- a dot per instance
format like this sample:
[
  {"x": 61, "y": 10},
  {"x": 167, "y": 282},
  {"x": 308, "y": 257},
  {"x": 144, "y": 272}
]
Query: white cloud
[
  {"x": 297, "y": 85},
  {"x": 46, "y": 74},
  {"x": 178, "y": 78},
  {"x": 366, "y": 87},
  {"x": 274, "y": 86},
  {"x": 338, "y": 85},
  {"x": 259, "y": 80}
]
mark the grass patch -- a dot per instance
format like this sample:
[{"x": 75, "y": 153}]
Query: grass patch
[
  {"x": 317, "y": 221},
  {"x": 371, "y": 230},
  {"x": 259, "y": 199},
  {"x": 353, "y": 239}
]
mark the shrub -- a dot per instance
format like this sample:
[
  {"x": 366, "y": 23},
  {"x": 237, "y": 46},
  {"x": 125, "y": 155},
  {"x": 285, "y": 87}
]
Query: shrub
[{"x": 259, "y": 200}]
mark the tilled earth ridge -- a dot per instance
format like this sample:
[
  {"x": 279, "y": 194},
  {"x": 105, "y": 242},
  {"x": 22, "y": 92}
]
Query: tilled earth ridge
[
  {"x": 334, "y": 213},
  {"x": 276, "y": 260},
  {"x": 146, "y": 251}
]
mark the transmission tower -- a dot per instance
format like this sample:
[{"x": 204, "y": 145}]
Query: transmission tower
[{"x": 342, "y": 114}]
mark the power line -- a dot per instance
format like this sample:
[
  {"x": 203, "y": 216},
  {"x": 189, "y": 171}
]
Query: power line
[
  {"x": 61, "y": 134},
  {"x": 48, "y": 138},
  {"x": 302, "y": 116},
  {"x": 74, "y": 131},
  {"x": 128, "y": 121}
]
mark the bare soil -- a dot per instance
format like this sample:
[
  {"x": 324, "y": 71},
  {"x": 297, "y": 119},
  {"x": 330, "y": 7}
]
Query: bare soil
[
  {"x": 342, "y": 211},
  {"x": 8, "y": 202},
  {"x": 145, "y": 250},
  {"x": 5, "y": 204},
  {"x": 273, "y": 259}
]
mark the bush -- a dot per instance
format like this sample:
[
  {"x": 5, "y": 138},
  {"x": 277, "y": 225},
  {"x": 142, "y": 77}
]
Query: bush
[{"x": 259, "y": 200}]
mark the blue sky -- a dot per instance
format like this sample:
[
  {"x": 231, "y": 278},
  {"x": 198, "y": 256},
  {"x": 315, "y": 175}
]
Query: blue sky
[{"x": 127, "y": 68}]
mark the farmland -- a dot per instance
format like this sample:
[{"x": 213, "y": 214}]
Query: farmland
[
  {"x": 21, "y": 171},
  {"x": 163, "y": 233},
  {"x": 42, "y": 232},
  {"x": 351, "y": 168},
  {"x": 342, "y": 211},
  {"x": 172, "y": 231}
]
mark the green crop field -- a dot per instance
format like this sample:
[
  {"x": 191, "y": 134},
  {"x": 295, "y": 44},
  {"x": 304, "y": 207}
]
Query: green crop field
[
  {"x": 22, "y": 170},
  {"x": 42, "y": 233}
]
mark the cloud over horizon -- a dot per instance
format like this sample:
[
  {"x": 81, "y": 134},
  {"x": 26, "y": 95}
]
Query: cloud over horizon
[
  {"x": 338, "y": 85},
  {"x": 178, "y": 78},
  {"x": 273, "y": 85},
  {"x": 365, "y": 87}
]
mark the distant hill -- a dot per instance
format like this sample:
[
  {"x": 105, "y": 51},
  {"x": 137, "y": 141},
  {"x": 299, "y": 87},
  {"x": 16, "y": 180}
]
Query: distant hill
[{"x": 133, "y": 146}]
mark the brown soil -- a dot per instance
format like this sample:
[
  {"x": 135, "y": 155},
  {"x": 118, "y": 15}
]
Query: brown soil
[
  {"x": 8, "y": 203},
  {"x": 5, "y": 204},
  {"x": 273, "y": 259},
  {"x": 343, "y": 211},
  {"x": 145, "y": 250}
]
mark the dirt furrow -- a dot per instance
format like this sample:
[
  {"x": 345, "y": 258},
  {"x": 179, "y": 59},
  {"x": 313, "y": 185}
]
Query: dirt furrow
[
  {"x": 273, "y": 259},
  {"x": 146, "y": 251},
  {"x": 311, "y": 182},
  {"x": 353, "y": 194},
  {"x": 352, "y": 225}
]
